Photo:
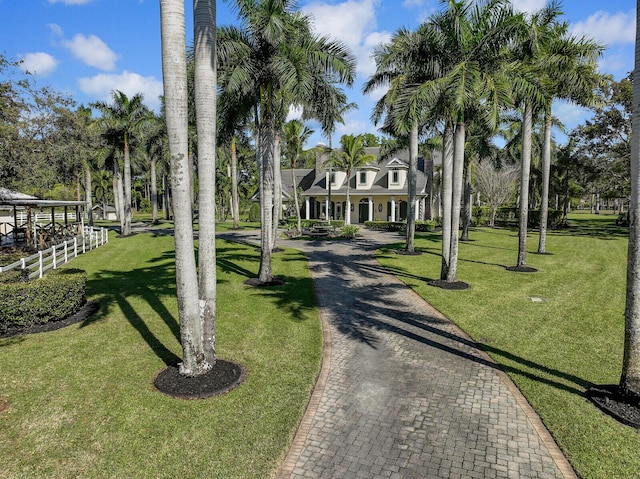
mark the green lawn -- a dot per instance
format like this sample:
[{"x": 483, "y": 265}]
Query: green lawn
[
  {"x": 554, "y": 349},
  {"x": 80, "y": 401}
]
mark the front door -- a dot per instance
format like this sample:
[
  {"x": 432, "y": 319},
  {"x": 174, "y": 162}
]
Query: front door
[{"x": 363, "y": 211}]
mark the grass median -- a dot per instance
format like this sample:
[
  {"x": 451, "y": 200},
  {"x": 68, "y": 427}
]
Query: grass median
[
  {"x": 555, "y": 332},
  {"x": 79, "y": 401}
]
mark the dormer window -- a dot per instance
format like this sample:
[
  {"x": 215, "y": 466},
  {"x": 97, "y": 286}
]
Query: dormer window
[
  {"x": 363, "y": 177},
  {"x": 395, "y": 177},
  {"x": 333, "y": 178}
]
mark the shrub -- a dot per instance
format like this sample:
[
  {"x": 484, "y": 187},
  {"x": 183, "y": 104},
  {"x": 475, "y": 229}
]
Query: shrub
[
  {"x": 623, "y": 219},
  {"x": 554, "y": 219},
  {"x": 480, "y": 216},
  {"x": 254, "y": 213},
  {"x": 59, "y": 294},
  {"x": 426, "y": 225},
  {"x": 349, "y": 231},
  {"x": 385, "y": 225}
]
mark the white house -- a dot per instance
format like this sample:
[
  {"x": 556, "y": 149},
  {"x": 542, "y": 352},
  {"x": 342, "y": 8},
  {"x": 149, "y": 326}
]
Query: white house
[{"x": 378, "y": 191}]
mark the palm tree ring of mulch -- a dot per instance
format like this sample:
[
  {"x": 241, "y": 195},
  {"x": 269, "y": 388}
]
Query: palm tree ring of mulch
[
  {"x": 621, "y": 407},
  {"x": 255, "y": 282},
  {"x": 223, "y": 377},
  {"x": 450, "y": 285},
  {"x": 405, "y": 252},
  {"x": 277, "y": 249},
  {"x": 521, "y": 269}
]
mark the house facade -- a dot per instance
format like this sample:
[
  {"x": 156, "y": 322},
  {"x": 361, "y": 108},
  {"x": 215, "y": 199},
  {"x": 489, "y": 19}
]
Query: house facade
[{"x": 377, "y": 191}]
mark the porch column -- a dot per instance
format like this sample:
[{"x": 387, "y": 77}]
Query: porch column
[
  {"x": 371, "y": 205},
  {"x": 326, "y": 208},
  {"x": 307, "y": 212},
  {"x": 417, "y": 210},
  {"x": 393, "y": 209}
]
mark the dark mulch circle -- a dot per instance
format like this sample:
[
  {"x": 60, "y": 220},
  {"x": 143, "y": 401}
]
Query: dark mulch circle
[
  {"x": 274, "y": 250},
  {"x": 223, "y": 377},
  {"x": 454, "y": 285},
  {"x": 521, "y": 269},
  {"x": 543, "y": 254},
  {"x": 404, "y": 252},
  {"x": 622, "y": 408},
  {"x": 89, "y": 308},
  {"x": 255, "y": 282}
]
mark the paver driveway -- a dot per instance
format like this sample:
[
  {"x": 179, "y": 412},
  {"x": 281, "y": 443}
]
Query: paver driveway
[{"x": 403, "y": 393}]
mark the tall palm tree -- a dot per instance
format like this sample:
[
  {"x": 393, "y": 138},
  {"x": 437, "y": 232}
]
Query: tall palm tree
[
  {"x": 572, "y": 75},
  {"x": 295, "y": 135},
  {"x": 123, "y": 119},
  {"x": 204, "y": 16},
  {"x": 351, "y": 156},
  {"x": 174, "y": 69},
  {"x": 630, "y": 378},
  {"x": 398, "y": 65},
  {"x": 466, "y": 42},
  {"x": 155, "y": 146},
  {"x": 273, "y": 59}
]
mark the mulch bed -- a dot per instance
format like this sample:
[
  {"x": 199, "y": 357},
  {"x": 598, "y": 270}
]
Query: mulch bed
[
  {"x": 453, "y": 285},
  {"x": 89, "y": 308},
  {"x": 404, "y": 252},
  {"x": 622, "y": 408},
  {"x": 521, "y": 269},
  {"x": 223, "y": 377},
  {"x": 255, "y": 282}
]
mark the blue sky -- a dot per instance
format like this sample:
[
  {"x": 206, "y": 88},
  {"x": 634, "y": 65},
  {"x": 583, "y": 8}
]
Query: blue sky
[{"x": 87, "y": 48}]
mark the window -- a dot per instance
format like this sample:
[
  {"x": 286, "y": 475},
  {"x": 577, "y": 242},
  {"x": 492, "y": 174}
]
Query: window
[
  {"x": 395, "y": 177},
  {"x": 363, "y": 177},
  {"x": 333, "y": 178}
]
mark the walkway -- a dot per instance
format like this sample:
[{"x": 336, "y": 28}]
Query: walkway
[{"x": 403, "y": 393}]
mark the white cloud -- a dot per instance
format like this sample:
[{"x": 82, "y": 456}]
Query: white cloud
[
  {"x": 92, "y": 51},
  {"x": 528, "y": 6},
  {"x": 354, "y": 23},
  {"x": 56, "y": 30},
  {"x": 100, "y": 87},
  {"x": 609, "y": 28},
  {"x": 295, "y": 113},
  {"x": 39, "y": 63},
  {"x": 71, "y": 2},
  {"x": 569, "y": 114}
]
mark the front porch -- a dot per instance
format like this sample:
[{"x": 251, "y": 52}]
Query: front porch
[{"x": 362, "y": 208}]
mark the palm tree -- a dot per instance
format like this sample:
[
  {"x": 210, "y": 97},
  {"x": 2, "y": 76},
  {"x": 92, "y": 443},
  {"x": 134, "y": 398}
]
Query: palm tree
[
  {"x": 398, "y": 65},
  {"x": 295, "y": 135},
  {"x": 630, "y": 378},
  {"x": 466, "y": 61},
  {"x": 174, "y": 69},
  {"x": 123, "y": 120},
  {"x": 351, "y": 156},
  {"x": 271, "y": 61},
  {"x": 571, "y": 76},
  {"x": 155, "y": 146}
]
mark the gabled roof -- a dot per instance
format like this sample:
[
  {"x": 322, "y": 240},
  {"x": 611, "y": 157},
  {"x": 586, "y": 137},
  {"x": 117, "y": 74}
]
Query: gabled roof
[{"x": 7, "y": 194}]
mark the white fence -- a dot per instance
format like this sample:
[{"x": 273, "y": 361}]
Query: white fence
[{"x": 59, "y": 254}]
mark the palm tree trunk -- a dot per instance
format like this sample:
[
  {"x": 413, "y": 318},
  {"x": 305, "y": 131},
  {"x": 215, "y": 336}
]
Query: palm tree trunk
[
  {"x": 456, "y": 198},
  {"x": 347, "y": 216},
  {"x": 265, "y": 155},
  {"x": 277, "y": 187},
  {"x": 446, "y": 185},
  {"x": 411, "y": 196},
  {"x": 466, "y": 218},
  {"x": 174, "y": 69},
  {"x": 294, "y": 189},
  {"x": 527, "y": 123},
  {"x": 127, "y": 190},
  {"x": 546, "y": 168},
  {"x": 204, "y": 15},
  {"x": 430, "y": 190},
  {"x": 120, "y": 193},
  {"x": 154, "y": 191},
  {"x": 630, "y": 378},
  {"x": 88, "y": 195},
  {"x": 116, "y": 197},
  {"x": 235, "y": 201}
]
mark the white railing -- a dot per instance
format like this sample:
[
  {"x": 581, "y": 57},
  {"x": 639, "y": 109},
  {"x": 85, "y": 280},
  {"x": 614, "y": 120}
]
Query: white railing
[{"x": 37, "y": 264}]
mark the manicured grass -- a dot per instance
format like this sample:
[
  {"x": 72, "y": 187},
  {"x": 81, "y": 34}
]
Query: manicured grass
[
  {"x": 555, "y": 349},
  {"x": 80, "y": 401}
]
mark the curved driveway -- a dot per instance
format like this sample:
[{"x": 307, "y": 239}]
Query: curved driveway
[{"x": 403, "y": 393}]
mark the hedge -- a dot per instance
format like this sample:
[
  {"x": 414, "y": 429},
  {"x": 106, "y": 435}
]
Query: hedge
[
  {"x": 510, "y": 214},
  {"x": 423, "y": 226},
  {"x": 57, "y": 295}
]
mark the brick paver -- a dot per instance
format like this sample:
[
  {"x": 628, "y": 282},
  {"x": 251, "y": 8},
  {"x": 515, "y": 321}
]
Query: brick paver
[{"x": 403, "y": 392}]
